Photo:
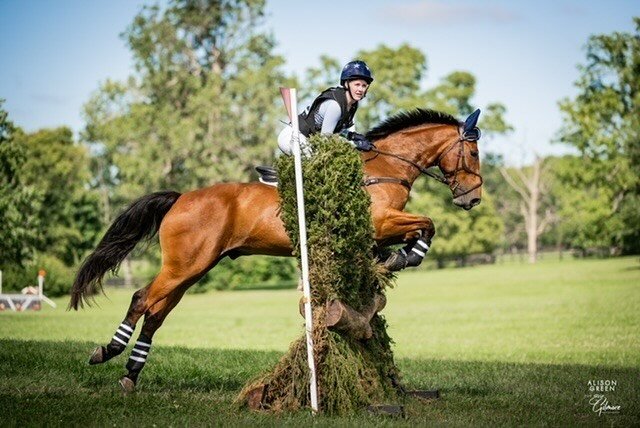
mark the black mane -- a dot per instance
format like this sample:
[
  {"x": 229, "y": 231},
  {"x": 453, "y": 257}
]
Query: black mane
[{"x": 408, "y": 119}]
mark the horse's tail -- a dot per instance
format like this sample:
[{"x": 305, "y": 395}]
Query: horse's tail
[{"x": 141, "y": 220}]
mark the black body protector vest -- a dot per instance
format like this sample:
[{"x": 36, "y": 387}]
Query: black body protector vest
[{"x": 306, "y": 119}]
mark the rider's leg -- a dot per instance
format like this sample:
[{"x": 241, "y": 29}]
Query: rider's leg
[{"x": 285, "y": 141}]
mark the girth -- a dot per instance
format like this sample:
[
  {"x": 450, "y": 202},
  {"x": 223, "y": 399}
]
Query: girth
[
  {"x": 378, "y": 180},
  {"x": 268, "y": 176}
]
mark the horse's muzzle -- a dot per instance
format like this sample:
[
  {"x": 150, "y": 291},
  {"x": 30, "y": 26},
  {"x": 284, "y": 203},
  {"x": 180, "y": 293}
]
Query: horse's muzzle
[{"x": 466, "y": 201}]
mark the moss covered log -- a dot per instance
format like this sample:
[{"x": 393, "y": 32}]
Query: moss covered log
[{"x": 354, "y": 361}]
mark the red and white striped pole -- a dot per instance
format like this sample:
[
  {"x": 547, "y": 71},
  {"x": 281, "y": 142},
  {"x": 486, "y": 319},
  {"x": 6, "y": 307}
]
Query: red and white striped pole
[
  {"x": 290, "y": 102},
  {"x": 41, "y": 274}
]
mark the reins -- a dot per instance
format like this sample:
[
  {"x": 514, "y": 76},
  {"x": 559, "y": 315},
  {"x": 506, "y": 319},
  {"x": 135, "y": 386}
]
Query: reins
[{"x": 453, "y": 184}]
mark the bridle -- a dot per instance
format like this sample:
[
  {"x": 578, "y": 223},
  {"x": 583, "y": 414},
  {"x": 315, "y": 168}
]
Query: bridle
[{"x": 450, "y": 179}]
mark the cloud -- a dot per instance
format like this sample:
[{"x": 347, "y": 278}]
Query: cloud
[{"x": 441, "y": 13}]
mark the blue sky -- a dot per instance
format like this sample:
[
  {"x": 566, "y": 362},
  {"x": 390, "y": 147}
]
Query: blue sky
[{"x": 523, "y": 53}]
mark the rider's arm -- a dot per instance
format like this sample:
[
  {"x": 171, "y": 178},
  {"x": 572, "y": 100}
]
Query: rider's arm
[{"x": 330, "y": 113}]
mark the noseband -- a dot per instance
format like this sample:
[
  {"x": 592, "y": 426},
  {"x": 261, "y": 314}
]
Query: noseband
[{"x": 450, "y": 179}]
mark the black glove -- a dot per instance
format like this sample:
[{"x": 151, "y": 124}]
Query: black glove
[{"x": 361, "y": 142}]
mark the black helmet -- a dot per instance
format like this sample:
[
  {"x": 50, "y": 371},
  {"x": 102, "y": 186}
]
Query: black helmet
[{"x": 356, "y": 70}]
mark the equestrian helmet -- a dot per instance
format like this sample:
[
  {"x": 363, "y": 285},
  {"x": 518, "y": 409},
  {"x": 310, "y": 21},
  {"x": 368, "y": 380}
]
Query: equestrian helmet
[{"x": 356, "y": 70}]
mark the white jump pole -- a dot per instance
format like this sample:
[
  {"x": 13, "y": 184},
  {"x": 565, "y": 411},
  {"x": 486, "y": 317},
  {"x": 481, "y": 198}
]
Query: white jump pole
[{"x": 290, "y": 101}]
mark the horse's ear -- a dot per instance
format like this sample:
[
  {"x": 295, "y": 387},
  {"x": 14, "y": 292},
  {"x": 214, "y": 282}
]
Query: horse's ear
[{"x": 472, "y": 120}]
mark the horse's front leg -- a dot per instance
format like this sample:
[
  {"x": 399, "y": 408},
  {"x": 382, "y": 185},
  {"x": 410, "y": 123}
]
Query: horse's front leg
[
  {"x": 398, "y": 226},
  {"x": 391, "y": 225}
]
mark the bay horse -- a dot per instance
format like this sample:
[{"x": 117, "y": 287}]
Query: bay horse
[{"x": 199, "y": 228}]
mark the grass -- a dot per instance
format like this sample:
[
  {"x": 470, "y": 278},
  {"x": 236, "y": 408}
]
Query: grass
[{"x": 506, "y": 344}]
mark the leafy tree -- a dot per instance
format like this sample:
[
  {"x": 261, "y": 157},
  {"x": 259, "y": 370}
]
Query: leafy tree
[
  {"x": 603, "y": 123},
  {"x": 69, "y": 215},
  {"x": 398, "y": 75},
  {"x": 583, "y": 210},
  {"x": 19, "y": 203},
  {"x": 458, "y": 234},
  {"x": 203, "y": 106}
]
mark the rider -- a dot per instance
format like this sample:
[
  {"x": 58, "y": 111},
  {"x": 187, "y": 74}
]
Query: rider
[{"x": 333, "y": 110}]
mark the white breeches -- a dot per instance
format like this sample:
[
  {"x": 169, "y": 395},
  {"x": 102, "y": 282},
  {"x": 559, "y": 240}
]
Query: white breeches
[{"x": 285, "y": 142}]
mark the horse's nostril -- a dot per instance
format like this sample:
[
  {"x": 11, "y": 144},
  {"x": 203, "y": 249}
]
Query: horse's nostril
[{"x": 475, "y": 201}]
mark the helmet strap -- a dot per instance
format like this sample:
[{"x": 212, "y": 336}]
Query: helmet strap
[{"x": 348, "y": 88}]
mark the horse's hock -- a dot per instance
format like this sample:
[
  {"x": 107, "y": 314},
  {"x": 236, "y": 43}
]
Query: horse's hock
[{"x": 354, "y": 361}]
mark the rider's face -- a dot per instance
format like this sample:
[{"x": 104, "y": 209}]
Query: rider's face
[{"x": 358, "y": 88}]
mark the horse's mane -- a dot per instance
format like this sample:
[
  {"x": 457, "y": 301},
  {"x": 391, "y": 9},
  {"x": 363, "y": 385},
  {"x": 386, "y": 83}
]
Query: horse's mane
[{"x": 408, "y": 119}]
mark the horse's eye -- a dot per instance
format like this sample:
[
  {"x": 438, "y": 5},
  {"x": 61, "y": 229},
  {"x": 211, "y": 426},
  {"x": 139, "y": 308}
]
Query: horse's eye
[{"x": 474, "y": 153}]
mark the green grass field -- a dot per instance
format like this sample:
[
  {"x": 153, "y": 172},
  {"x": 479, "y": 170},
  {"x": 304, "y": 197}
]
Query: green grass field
[{"x": 505, "y": 344}]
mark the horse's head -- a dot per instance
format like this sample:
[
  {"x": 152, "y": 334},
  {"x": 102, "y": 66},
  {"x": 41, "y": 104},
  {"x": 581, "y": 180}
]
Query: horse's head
[
  {"x": 460, "y": 163},
  {"x": 421, "y": 139}
]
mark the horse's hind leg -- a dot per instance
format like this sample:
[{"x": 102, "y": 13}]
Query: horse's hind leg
[
  {"x": 142, "y": 299},
  {"x": 153, "y": 319},
  {"x": 159, "y": 289}
]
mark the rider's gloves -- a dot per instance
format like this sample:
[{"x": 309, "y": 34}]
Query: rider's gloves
[{"x": 361, "y": 142}]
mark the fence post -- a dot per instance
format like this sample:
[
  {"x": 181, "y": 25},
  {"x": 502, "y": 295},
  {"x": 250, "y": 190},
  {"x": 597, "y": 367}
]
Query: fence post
[{"x": 289, "y": 96}]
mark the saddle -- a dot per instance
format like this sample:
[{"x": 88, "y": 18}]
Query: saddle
[{"x": 268, "y": 175}]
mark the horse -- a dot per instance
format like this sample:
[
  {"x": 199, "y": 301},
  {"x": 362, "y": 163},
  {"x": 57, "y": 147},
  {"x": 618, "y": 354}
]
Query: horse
[{"x": 199, "y": 228}]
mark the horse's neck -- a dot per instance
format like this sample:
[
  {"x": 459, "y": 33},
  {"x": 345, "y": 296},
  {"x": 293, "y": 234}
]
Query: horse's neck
[
  {"x": 382, "y": 165},
  {"x": 403, "y": 147}
]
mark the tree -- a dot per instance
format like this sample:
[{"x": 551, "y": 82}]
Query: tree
[
  {"x": 603, "y": 123},
  {"x": 583, "y": 210},
  {"x": 69, "y": 215},
  {"x": 531, "y": 188},
  {"x": 203, "y": 106},
  {"x": 459, "y": 233},
  {"x": 19, "y": 203},
  {"x": 398, "y": 75},
  {"x": 506, "y": 205}
]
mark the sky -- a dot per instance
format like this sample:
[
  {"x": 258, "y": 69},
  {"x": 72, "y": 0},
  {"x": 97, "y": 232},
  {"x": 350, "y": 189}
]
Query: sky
[{"x": 524, "y": 54}]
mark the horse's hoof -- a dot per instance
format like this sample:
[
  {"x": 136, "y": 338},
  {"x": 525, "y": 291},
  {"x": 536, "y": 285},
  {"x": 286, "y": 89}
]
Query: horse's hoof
[
  {"x": 127, "y": 385},
  {"x": 98, "y": 356},
  {"x": 397, "y": 261}
]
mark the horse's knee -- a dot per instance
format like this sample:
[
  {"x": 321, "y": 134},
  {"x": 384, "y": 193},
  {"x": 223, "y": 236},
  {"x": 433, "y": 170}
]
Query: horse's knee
[
  {"x": 138, "y": 297},
  {"x": 429, "y": 231}
]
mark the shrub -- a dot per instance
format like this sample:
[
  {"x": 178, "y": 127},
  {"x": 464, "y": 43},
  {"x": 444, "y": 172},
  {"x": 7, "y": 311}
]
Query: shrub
[{"x": 58, "y": 279}]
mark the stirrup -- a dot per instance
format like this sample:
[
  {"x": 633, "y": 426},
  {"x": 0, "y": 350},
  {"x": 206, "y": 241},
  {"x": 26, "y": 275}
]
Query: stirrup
[{"x": 268, "y": 175}]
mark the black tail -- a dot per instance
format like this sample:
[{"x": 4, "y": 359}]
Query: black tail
[{"x": 140, "y": 221}]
